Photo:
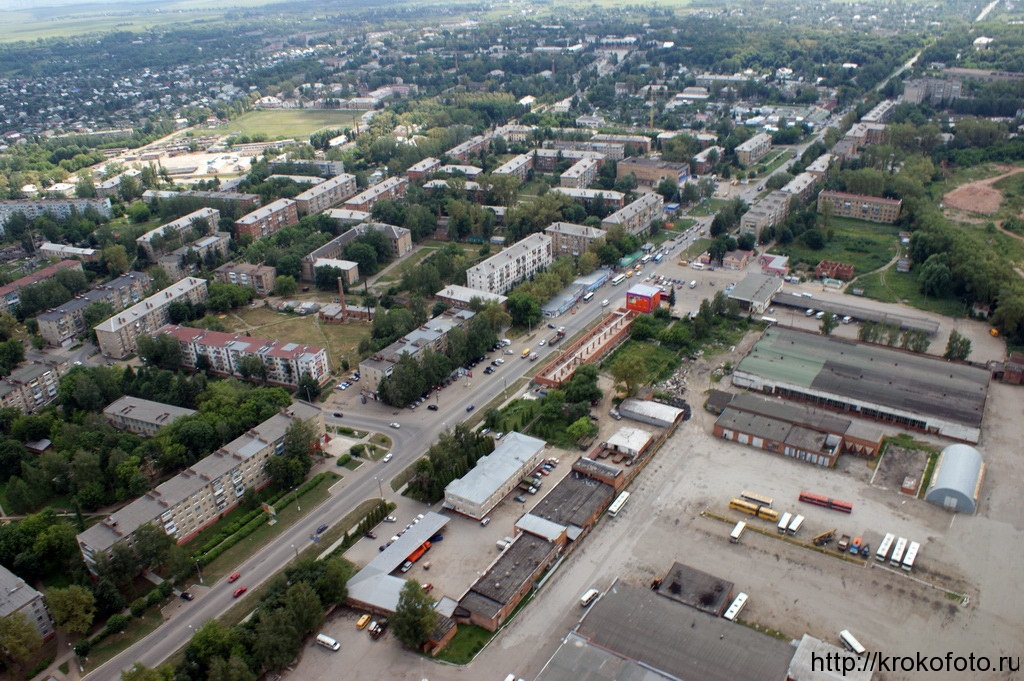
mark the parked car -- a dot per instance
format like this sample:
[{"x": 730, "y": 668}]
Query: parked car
[
  {"x": 338, "y": 414},
  {"x": 370, "y": 535},
  {"x": 321, "y": 529},
  {"x": 234, "y": 577},
  {"x": 391, "y": 519},
  {"x": 489, "y": 370},
  {"x": 520, "y": 498},
  {"x": 428, "y": 587},
  {"x": 239, "y": 591},
  {"x": 187, "y": 596},
  {"x": 469, "y": 408},
  {"x": 387, "y": 457},
  {"x": 432, "y": 407},
  {"x": 395, "y": 424}
]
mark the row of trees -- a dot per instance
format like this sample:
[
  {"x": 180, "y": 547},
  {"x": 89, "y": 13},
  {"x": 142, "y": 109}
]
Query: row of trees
[{"x": 453, "y": 455}]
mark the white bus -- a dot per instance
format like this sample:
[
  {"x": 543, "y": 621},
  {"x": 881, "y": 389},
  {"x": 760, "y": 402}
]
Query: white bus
[
  {"x": 908, "y": 560},
  {"x": 784, "y": 523},
  {"x": 737, "y": 532},
  {"x": 897, "y": 553},
  {"x": 733, "y": 611},
  {"x": 619, "y": 278},
  {"x": 797, "y": 523},
  {"x": 588, "y": 296},
  {"x": 617, "y": 505},
  {"x": 759, "y": 499},
  {"x": 883, "y": 549},
  {"x": 769, "y": 320},
  {"x": 850, "y": 642}
]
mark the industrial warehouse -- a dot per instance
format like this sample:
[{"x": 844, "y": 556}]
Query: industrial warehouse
[{"x": 906, "y": 389}]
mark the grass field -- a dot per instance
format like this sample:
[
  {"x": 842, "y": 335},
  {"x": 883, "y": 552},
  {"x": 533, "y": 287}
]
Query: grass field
[
  {"x": 866, "y": 245},
  {"x": 288, "y": 123},
  {"x": 890, "y": 286}
]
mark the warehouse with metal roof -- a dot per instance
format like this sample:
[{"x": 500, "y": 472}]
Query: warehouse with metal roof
[
  {"x": 909, "y": 390},
  {"x": 494, "y": 476},
  {"x": 956, "y": 482}
]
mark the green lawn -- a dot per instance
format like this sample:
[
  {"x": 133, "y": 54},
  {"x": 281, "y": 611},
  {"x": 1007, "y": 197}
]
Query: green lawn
[
  {"x": 112, "y": 645},
  {"x": 890, "y": 286},
  {"x": 865, "y": 244},
  {"x": 698, "y": 247},
  {"x": 467, "y": 642},
  {"x": 288, "y": 123},
  {"x": 710, "y": 207},
  {"x": 659, "y": 362}
]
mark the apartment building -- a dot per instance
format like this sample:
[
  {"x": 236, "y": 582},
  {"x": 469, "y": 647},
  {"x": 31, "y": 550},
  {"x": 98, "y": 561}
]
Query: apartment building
[
  {"x": 267, "y": 220},
  {"x": 57, "y": 208},
  {"x": 433, "y": 336},
  {"x": 142, "y": 417},
  {"x": 881, "y": 113},
  {"x": 462, "y": 296},
  {"x": 547, "y": 160},
  {"x": 62, "y": 251},
  {"x": 169, "y": 235},
  {"x": 30, "y": 387},
  {"x": 400, "y": 238},
  {"x": 650, "y": 171},
  {"x": 203, "y": 493},
  {"x": 637, "y": 144},
  {"x": 320, "y": 197},
  {"x": 325, "y": 168},
  {"x": 391, "y": 189},
  {"x": 185, "y": 260},
  {"x": 513, "y": 132},
  {"x": 707, "y": 159},
  {"x": 461, "y": 169},
  {"x": 419, "y": 172},
  {"x": 767, "y": 211},
  {"x": 109, "y": 188},
  {"x": 16, "y": 596},
  {"x": 821, "y": 167},
  {"x": 225, "y": 201},
  {"x": 802, "y": 186},
  {"x": 472, "y": 146},
  {"x": 571, "y": 239},
  {"x": 10, "y": 295},
  {"x": 615, "y": 151},
  {"x": 222, "y": 352},
  {"x": 612, "y": 199},
  {"x": 935, "y": 90},
  {"x": 64, "y": 324},
  {"x": 518, "y": 262},
  {"x": 753, "y": 149},
  {"x": 117, "y": 336},
  {"x": 520, "y": 167},
  {"x": 861, "y": 207},
  {"x": 636, "y": 218},
  {"x": 581, "y": 174},
  {"x": 259, "y": 277},
  {"x": 345, "y": 216}
]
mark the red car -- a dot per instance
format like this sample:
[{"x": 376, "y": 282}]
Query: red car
[
  {"x": 234, "y": 577},
  {"x": 239, "y": 591}
]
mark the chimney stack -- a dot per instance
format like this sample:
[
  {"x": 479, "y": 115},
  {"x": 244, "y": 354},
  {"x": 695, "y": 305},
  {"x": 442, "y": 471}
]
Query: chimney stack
[{"x": 341, "y": 297}]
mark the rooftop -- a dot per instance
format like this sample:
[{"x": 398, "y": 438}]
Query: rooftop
[
  {"x": 574, "y": 501},
  {"x": 155, "y": 413},
  {"x": 507, "y": 575},
  {"x": 168, "y": 295},
  {"x": 696, "y": 588},
  {"x": 897, "y": 379},
  {"x": 14, "y": 592},
  {"x": 494, "y": 470}
]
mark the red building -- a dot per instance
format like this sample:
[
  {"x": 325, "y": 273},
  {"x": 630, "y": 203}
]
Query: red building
[
  {"x": 833, "y": 270},
  {"x": 643, "y": 298}
]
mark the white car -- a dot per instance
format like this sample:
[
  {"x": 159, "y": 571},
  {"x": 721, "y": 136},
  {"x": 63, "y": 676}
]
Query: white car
[
  {"x": 395, "y": 424},
  {"x": 542, "y": 342},
  {"x": 387, "y": 457}
]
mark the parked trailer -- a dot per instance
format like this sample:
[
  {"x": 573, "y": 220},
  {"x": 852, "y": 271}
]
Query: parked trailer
[
  {"x": 753, "y": 509},
  {"x": 733, "y": 611},
  {"x": 797, "y": 523},
  {"x": 897, "y": 553},
  {"x": 850, "y": 642},
  {"x": 737, "y": 532},
  {"x": 767, "y": 514},
  {"x": 883, "y": 549},
  {"x": 784, "y": 523},
  {"x": 826, "y": 502},
  {"x": 908, "y": 560},
  {"x": 759, "y": 499}
]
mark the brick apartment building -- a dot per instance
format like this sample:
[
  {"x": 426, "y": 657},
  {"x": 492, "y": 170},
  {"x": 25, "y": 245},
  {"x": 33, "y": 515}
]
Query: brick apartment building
[
  {"x": 65, "y": 323},
  {"x": 861, "y": 207},
  {"x": 650, "y": 171},
  {"x": 571, "y": 239},
  {"x": 259, "y": 277},
  {"x": 392, "y": 189},
  {"x": 142, "y": 417},
  {"x": 10, "y": 295},
  {"x": 751, "y": 151},
  {"x": 267, "y": 220},
  {"x": 117, "y": 336},
  {"x": 319, "y": 198},
  {"x": 636, "y": 218}
]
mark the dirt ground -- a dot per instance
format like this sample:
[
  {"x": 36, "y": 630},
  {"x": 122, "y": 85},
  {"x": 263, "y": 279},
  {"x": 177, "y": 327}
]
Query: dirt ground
[
  {"x": 898, "y": 464},
  {"x": 979, "y": 197}
]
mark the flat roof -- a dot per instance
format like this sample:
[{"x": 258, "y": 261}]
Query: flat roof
[
  {"x": 791, "y": 412},
  {"x": 897, "y": 379},
  {"x": 542, "y": 527},
  {"x": 577, "y": 660},
  {"x": 154, "y": 413},
  {"x": 696, "y": 588},
  {"x": 494, "y": 470},
  {"x": 630, "y": 439},
  {"x": 804, "y": 666},
  {"x": 757, "y": 288},
  {"x": 929, "y": 326},
  {"x": 574, "y": 501},
  {"x": 639, "y": 624},
  {"x": 506, "y": 576},
  {"x": 15, "y": 593}
]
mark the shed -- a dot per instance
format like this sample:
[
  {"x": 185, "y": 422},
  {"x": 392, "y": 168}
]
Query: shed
[{"x": 956, "y": 483}]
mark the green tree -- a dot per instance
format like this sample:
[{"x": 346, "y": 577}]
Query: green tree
[
  {"x": 234, "y": 668},
  {"x": 524, "y": 309},
  {"x": 829, "y": 322},
  {"x": 276, "y": 639},
  {"x": 958, "y": 346},
  {"x": 308, "y": 388},
  {"x": 152, "y": 545},
  {"x": 252, "y": 366},
  {"x": 19, "y": 640},
  {"x": 285, "y": 285},
  {"x": 415, "y": 618},
  {"x": 304, "y": 606},
  {"x": 115, "y": 259},
  {"x": 72, "y": 608},
  {"x": 140, "y": 672},
  {"x": 630, "y": 371},
  {"x": 581, "y": 428}
]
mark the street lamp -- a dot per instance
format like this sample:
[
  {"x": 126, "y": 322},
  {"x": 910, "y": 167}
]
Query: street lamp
[
  {"x": 380, "y": 489},
  {"x": 199, "y": 570},
  {"x": 296, "y": 552},
  {"x": 296, "y": 491}
]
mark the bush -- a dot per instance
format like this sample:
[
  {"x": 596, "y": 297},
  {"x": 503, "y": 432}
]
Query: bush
[
  {"x": 138, "y": 607},
  {"x": 344, "y": 459},
  {"x": 83, "y": 647},
  {"x": 116, "y": 624},
  {"x": 357, "y": 450}
]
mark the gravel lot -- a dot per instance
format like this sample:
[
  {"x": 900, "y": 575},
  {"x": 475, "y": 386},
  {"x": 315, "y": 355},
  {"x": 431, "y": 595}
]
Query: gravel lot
[{"x": 792, "y": 589}]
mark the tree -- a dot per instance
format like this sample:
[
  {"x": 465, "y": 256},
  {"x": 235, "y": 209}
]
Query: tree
[
  {"x": 276, "y": 639},
  {"x": 285, "y": 285},
  {"x": 97, "y": 312},
  {"x": 415, "y": 618},
  {"x": 152, "y": 545},
  {"x": 19, "y": 640},
  {"x": 115, "y": 258},
  {"x": 524, "y": 309},
  {"x": 581, "y": 428},
  {"x": 140, "y": 672},
  {"x": 232, "y": 669},
  {"x": 304, "y": 607},
  {"x": 829, "y": 322},
  {"x": 73, "y": 608},
  {"x": 252, "y": 366},
  {"x": 668, "y": 188},
  {"x": 630, "y": 370},
  {"x": 309, "y": 389},
  {"x": 958, "y": 346}
]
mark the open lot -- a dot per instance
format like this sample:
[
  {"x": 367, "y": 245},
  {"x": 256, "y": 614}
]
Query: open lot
[
  {"x": 867, "y": 246},
  {"x": 288, "y": 123}
]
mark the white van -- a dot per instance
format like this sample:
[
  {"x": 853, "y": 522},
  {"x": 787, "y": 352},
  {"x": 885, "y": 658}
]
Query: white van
[
  {"x": 327, "y": 642},
  {"x": 697, "y": 265},
  {"x": 693, "y": 284},
  {"x": 589, "y": 597},
  {"x": 604, "y": 303}
]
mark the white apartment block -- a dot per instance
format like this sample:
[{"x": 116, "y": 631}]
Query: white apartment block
[
  {"x": 16, "y": 596},
  {"x": 753, "y": 149},
  {"x": 320, "y": 197},
  {"x": 204, "y": 221},
  {"x": 581, "y": 174},
  {"x": 637, "y": 217},
  {"x": 118, "y": 335},
  {"x": 203, "y": 493},
  {"x": 518, "y": 262},
  {"x": 391, "y": 188},
  {"x": 222, "y": 352},
  {"x": 142, "y": 417},
  {"x": 519, "y": 166},
  {"x": 58, "y": 208}
]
